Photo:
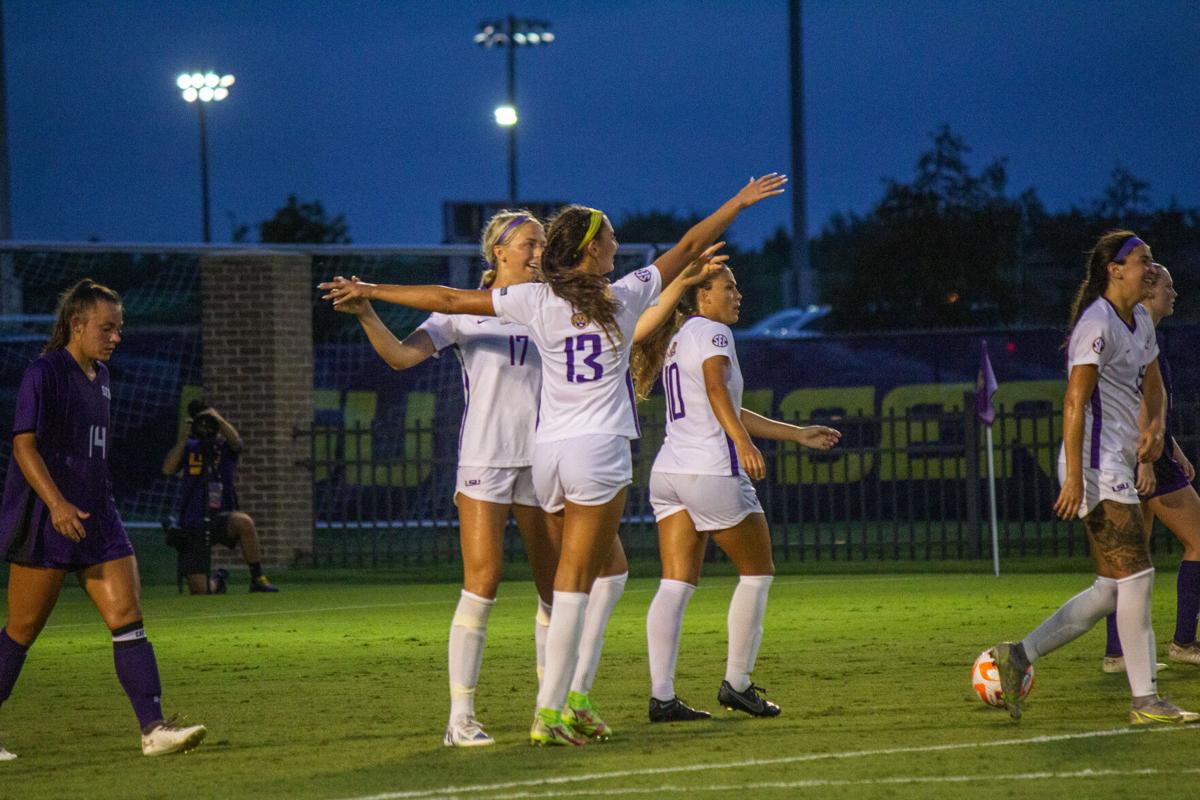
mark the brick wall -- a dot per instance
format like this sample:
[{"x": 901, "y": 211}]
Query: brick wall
[{"x": 256, "y": 324}]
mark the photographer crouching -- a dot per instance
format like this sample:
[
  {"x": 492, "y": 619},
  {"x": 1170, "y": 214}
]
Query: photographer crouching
[{"x": 208, "y": 502}]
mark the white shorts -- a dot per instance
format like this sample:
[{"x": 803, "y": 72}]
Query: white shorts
[
  {"x": 1102, "y": 485},
  {"x": 587, "y": 470},
  {"x": 714, "y": 502},
  {"x": 504, "y": 485}
]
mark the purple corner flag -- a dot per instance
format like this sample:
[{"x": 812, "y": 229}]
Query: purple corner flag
[{"x": 985, "y": 387}]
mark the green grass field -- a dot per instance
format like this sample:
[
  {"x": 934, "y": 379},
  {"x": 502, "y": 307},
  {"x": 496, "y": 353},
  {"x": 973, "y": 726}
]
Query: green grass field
[{"x": 338, "y": 690}]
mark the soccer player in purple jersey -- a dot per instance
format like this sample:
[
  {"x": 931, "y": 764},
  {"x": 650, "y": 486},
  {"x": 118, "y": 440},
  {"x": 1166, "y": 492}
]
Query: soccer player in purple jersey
[
  {"x": 58, "y": 514},
  {"x": 1112, "y": 371},
  {"x": 1169, "y": 496}
]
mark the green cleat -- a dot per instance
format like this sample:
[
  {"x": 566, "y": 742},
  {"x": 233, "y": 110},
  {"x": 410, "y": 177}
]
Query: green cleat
[
  {"x": 1161, "y": 712},
  {"x": 1011, "y": 664},
  {"x": 550, "y": 729},
  {"x": 581, "y": 715}
]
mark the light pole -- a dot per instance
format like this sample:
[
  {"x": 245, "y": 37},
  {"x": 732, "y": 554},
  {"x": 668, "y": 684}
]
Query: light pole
[
  {"x": 510, "y": 33},
  {"x": 203, "y": 88}
]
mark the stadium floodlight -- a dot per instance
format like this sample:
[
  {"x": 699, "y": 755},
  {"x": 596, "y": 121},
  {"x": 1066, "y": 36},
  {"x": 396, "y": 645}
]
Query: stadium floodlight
[
  {"x": 203, "y": 88},
  {"x": 506, "y": 116},
  {"x": 510, "y": 33}
]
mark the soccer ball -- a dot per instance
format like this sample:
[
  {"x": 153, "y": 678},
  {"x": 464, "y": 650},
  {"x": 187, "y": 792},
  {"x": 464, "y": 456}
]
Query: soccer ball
[{"x": 986, "y": 680}]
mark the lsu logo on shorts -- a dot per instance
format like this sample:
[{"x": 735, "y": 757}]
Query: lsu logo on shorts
[
  {"x": 580, "y": 320},
  {"x": 720, "y": 340},
  {"x": 642, "y": 275}
]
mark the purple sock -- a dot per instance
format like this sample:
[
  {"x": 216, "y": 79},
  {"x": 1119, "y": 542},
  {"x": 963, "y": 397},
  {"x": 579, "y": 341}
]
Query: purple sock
[
  {"x": 1187, "y": 587},
  {"x": 1112, "y": 645},
  {"x": 12, "y": 658},
  {"x": 137, "y": 670}
]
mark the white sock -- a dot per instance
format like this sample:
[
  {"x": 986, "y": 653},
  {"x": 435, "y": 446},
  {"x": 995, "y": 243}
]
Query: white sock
[
  {"x": 541, "y": 625},
  {"x": 746, "y": 611},
  {"x": 562, "y": 648},
  {"x": 1137, "y": 636},
  {"x": 1073, "y": 619},
  {"x": 601, "y": 602},
  {"x": 663, "y": 623},
  {"x": 468, "y": 632}
]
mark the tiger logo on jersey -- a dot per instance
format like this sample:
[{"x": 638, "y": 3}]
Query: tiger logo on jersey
[{"x": 580, "y": 320}]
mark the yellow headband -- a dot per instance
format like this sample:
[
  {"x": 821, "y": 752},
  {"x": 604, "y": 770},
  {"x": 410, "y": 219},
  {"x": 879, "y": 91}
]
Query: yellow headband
[{"x": 593, "y": 227}]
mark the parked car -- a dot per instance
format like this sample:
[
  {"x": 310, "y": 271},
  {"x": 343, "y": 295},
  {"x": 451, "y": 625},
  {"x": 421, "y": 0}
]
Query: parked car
[{"x": 790, "y": 323}]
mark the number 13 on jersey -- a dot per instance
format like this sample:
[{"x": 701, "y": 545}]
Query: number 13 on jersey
[{"x": 589, "y": 369}]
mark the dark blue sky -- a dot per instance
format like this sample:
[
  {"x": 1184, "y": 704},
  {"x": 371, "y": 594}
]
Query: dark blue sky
[{"x": 382, "y": 110}]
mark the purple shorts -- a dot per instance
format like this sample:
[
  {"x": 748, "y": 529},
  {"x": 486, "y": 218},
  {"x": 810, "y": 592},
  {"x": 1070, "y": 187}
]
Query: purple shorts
[
  {"x": 36, "y": 544},
  {"x": 1168, "y": 476}
]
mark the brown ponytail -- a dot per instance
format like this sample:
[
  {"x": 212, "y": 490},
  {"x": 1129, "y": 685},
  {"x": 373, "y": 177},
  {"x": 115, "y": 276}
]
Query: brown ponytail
[
  {"x": 1095, "y": 280},
  {"x": 73, "y": 302},
  {"x": 588, "y": 294}
]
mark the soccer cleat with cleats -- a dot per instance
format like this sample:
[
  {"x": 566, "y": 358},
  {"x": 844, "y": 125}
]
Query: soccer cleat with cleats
[
  {"x": 1185, "y": 653},
  {"x": 167, "y": 737},
  {"x": 466, "y": 732},
  {"x": 261, "y": 584},
  {"x": 549, "y": 729},
  {"x": 1161, "y": 712},
  {"x": 583, "y": 718},
  {"x": 1115, "y": 664},
  {"x": 674, "y": 710},
  {"x": 1011, "y": 664},
  {"x": 6, "y": 755},
  {"x": 748, "y": 700}
]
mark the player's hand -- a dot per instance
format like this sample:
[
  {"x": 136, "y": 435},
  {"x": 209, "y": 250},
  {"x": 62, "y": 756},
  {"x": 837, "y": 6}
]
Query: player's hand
[
  {"x": 751, "y": 459},
  {"x": 1150, "y": 444},
  {"x": 818, "y": 437},
  {"x": 1069, "y": 499},
  {"x": 1185, "y": 464},
  {"x": 704, "y": 266},
  {"x": 67, "y": 520},
  {"x": 1146, "y": 483},
  {"x": 350, "y": 295},
  {"x": 758, "y": 189}
]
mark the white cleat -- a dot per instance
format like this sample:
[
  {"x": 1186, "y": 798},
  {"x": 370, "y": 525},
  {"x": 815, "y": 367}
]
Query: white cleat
[
  {"x": 1185, "y": 653},
  {"x": 466, "y": 732},
  {"x": 166, "y": 737},
  {"x": 5, "y": 755},
  {"x": 1117, "y": 664}
]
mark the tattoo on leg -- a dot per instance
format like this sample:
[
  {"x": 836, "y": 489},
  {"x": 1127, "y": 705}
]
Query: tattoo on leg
[{"x": 1115, "y": 530}]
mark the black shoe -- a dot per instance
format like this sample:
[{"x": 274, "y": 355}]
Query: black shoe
[
  {"x": 674, "y": 710},
  {"x": 219, "y": 577},
  {"x": 747, "y": 701}
]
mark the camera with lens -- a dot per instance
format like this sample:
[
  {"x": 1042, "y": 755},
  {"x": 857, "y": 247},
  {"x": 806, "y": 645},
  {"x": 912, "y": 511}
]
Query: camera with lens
[{"x": 204, "y": 426}]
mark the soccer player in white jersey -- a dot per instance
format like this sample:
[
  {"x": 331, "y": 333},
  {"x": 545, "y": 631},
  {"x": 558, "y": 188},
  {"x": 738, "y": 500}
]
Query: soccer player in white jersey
[
  {"x": 700, "y": 487},
  {"x": 583, "y": 327},
  {"x": 1112, "y": 365},
  {"x": 502, "y": 379}
]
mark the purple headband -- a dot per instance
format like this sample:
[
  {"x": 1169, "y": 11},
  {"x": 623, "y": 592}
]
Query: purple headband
[
  {"x": 1126, "y": 249},
  {"x": 517, "y": 222}
]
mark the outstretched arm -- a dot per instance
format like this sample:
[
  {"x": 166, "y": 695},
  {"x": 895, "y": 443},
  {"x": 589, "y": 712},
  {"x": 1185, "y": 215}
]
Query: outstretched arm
[
  {"x": 415, "y": 348},
  {"x": 427, "y": 298},
  {"x": 694, "y": 273},
  {"x": 818, "y": 437},
  {"x": 709, "y": 229}
]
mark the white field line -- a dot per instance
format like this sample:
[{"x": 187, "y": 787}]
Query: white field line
[
  {"x": 820, "y": 783},
  {"x": 490, "y": 789},
  {"x": 448, "y": 602}
]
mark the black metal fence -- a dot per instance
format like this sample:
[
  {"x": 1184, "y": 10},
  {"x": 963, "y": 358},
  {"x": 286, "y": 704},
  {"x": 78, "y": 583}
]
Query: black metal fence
[{"x": 911, "y": 487}]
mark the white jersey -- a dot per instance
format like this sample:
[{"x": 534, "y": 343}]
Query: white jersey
[
  {"x": 502, "y": 381},
  {"x": 586, "y": 388},
  {"x": 1122, "y": 353},
  {"x": 696, "y": 443}
]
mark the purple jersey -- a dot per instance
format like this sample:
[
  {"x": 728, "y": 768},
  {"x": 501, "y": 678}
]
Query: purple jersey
[
  {"x": 207, "y": 486},
  {"x": 68, "y": 414}
]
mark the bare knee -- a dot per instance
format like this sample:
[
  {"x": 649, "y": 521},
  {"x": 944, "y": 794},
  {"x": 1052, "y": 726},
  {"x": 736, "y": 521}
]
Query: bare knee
[
  {"x": 483, "y": 581},
  {"x": 24, "y": 631}
]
